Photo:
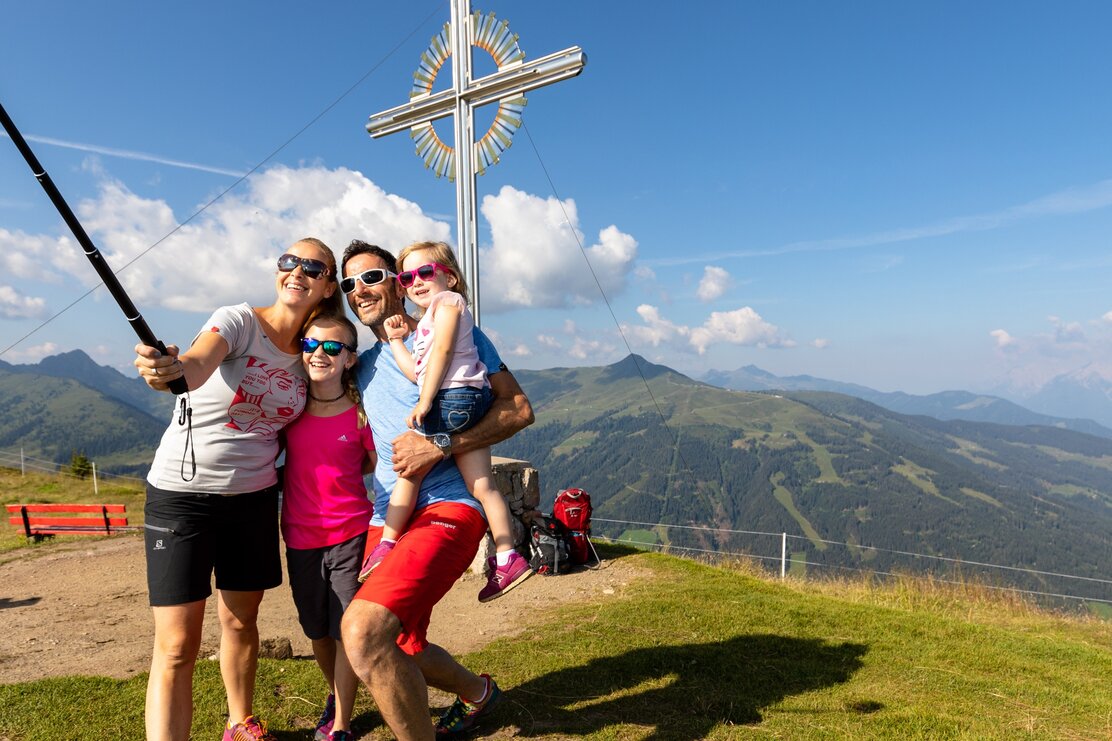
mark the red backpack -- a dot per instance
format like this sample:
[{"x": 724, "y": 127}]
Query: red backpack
[{"x": 573, "y": 508}]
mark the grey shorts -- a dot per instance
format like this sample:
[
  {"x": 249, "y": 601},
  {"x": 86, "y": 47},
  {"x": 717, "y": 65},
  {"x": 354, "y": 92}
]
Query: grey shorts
[
  {"x": 323, "y": 582},
  {"x": 189, "y": 536}
]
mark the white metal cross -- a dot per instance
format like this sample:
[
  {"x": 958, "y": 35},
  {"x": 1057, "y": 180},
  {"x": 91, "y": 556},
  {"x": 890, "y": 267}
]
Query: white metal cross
[{"x": 513, "y": 79}]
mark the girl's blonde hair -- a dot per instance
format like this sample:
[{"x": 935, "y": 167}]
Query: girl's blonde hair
[
  {"x": 348, "y": 380},
  {"x": 442, "y": 254}
]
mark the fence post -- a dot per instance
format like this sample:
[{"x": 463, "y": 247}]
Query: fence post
[
  {"x": 96, "y": 489},
  {"x": 783, "y": 556}
]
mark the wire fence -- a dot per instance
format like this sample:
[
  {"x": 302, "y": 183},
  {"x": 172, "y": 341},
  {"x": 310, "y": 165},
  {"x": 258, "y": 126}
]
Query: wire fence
[
  {"x": 786, "y": 562},
  {"x": 24, "y": 463}
]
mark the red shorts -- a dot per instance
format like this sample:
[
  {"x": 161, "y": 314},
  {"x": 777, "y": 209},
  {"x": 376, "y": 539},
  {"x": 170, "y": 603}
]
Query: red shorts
[{"x": 432, "y": 554}]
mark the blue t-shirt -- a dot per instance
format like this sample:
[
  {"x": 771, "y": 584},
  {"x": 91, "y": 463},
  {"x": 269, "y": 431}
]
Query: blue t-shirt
[{"x": 388, "y": 398}]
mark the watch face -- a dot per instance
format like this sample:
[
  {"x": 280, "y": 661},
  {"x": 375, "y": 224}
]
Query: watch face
[{"x": 441, "y": 441}]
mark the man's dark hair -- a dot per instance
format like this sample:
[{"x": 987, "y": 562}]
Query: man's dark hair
[{"x": 359, "y": 247}]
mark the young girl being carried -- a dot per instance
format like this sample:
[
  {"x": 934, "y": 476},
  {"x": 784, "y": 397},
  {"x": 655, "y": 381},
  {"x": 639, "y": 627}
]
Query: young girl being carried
[
  {"x": 455, "y": 394},
  {"x": 325, "y": 508}
]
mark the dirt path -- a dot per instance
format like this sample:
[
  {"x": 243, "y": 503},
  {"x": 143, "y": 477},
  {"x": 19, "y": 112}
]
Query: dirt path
[{"x": 81, "y": 608}]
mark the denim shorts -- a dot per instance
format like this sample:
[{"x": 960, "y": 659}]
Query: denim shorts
[{"x": 457, "y": 409}]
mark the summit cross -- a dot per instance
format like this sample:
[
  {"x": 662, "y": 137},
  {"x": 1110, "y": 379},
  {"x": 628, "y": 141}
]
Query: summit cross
[{"x": 507, "y": 86}]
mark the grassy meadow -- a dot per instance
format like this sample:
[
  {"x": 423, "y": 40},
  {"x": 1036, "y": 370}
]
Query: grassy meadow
[{"x": 693, "y": 651}]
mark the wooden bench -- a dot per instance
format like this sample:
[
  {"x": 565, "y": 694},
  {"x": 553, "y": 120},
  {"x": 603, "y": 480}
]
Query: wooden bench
[{"x": 44, "y": 520}]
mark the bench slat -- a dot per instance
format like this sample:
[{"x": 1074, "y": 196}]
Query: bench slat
[
  {"x": 37, "y": 523},
  {"x": 115, "y": 508},
  {"x": 36, "y": 532}
]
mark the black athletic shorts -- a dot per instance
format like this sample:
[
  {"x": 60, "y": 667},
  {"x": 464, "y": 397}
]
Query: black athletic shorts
[
  {"x": 189, "y": 536},
  {"x": 323, "y": 582}
]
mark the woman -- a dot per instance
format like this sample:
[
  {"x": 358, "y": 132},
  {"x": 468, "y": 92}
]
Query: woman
[{"x": 212, "y": 493}]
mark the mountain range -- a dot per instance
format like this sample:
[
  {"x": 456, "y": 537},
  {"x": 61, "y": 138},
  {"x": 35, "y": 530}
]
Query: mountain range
[
  {"x": 1074, "y": 398},
  {"x": 677, "y": 461}
]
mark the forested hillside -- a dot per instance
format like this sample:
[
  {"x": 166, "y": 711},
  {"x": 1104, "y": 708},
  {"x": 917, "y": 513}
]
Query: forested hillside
[
  {"x": 824, "y": 466},
  {"x": 51, "y": 418}
]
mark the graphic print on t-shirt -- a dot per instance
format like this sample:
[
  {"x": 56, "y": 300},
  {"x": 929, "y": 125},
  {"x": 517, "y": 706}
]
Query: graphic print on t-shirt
[{"x": 267, "y": 399}]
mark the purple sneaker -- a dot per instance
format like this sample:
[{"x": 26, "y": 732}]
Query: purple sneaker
[
  {"x": 251, "y": 729},
  {"x": 504, "y": 578},
  {"x": 374, "y": 558},
  {"x": 327, "y": 718}
]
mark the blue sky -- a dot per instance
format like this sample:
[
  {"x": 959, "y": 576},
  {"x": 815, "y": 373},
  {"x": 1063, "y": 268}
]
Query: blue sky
[{"x": 912, "y": 196}]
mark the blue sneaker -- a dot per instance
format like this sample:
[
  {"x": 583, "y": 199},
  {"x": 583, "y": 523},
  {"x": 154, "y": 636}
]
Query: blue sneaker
[{"x": 464, "y": 715}]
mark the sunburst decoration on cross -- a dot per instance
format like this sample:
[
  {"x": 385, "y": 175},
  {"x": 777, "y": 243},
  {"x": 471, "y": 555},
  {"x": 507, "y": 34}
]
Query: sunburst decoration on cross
[{"x": 495, "y": 38}]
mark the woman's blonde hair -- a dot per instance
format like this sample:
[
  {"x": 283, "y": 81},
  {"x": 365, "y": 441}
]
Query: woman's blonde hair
[
  {"x": 329, "y": 306},
  {"x": 348, "y": 380},
  {"x": 442, "y": 254}
]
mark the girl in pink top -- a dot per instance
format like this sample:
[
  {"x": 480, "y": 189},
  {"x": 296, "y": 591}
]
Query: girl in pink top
[
  {"x": 325, "y": 508},
  {"x": 455, "y": 395}
]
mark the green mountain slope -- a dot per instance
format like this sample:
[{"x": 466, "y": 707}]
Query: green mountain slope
[
  {"x": 821, "y": 467},
  {"x": 50, "y": 418}
]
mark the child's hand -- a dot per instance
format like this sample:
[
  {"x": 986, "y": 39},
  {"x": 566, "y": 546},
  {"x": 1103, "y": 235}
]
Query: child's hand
[
  {"x": 417, "y": 417},
  {"x": 396, "y": 327}
]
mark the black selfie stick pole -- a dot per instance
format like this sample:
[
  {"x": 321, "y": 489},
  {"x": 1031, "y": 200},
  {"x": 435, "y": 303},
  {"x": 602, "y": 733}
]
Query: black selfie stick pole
[{"x": 178, "y": 386}]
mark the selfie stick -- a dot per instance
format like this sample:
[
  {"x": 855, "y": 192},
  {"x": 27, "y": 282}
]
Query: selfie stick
[{"x": 178, "y": 386}]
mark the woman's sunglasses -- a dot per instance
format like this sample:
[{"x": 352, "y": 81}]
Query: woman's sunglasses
[
  {"x": 315, "y": 269},
  {"x": 331, "y": 347},
  {"x": 371, "y": 277},
  {"x": 425, "y": 272}
]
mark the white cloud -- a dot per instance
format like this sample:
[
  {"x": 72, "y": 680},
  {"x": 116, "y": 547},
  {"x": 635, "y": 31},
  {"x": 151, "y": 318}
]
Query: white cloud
[
  {"x": 226, "y": 255},
  {"x": 820, "y": 342},
  {"x": 742, "y": 326},
  {"x": 14, "y": 305},
  {"x": 1066, "y": 332},
  {"x": 549, "y": 341},
  {"x": 129, "y": 154},
  {"x": 657, "y": 329},
  {"x": 536, "y": 252},
  {"x": 1107, "y": 318},
  {"x": 519, "y": 350},
  {"x": 594, "y": 350},
  {"x": 1003, "y": 339},
  {"x": 31, "y": 354},
  {"x": 714, "y": 283},
  {"x": 36, "y": 256}
]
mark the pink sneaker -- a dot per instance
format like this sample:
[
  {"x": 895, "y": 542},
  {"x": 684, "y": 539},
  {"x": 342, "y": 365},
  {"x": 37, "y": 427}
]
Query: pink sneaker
[
  {"x": 251, "y": 729},
  {"x": 327, "y": 718},
  {"x": 374, "y": 558},
  {"x": 504, "y": 578}
]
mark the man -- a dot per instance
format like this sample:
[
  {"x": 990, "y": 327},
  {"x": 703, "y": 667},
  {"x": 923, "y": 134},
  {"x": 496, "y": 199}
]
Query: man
[{"x": 384, "y": 628}]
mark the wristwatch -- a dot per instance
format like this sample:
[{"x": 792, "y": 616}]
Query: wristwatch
[{"x": 443, "y": 441}]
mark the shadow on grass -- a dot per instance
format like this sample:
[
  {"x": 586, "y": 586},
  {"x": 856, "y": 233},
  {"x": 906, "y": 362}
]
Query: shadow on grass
[
  {"x": 364, "y": 724},
  {"x": 681, "y": 692}
]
